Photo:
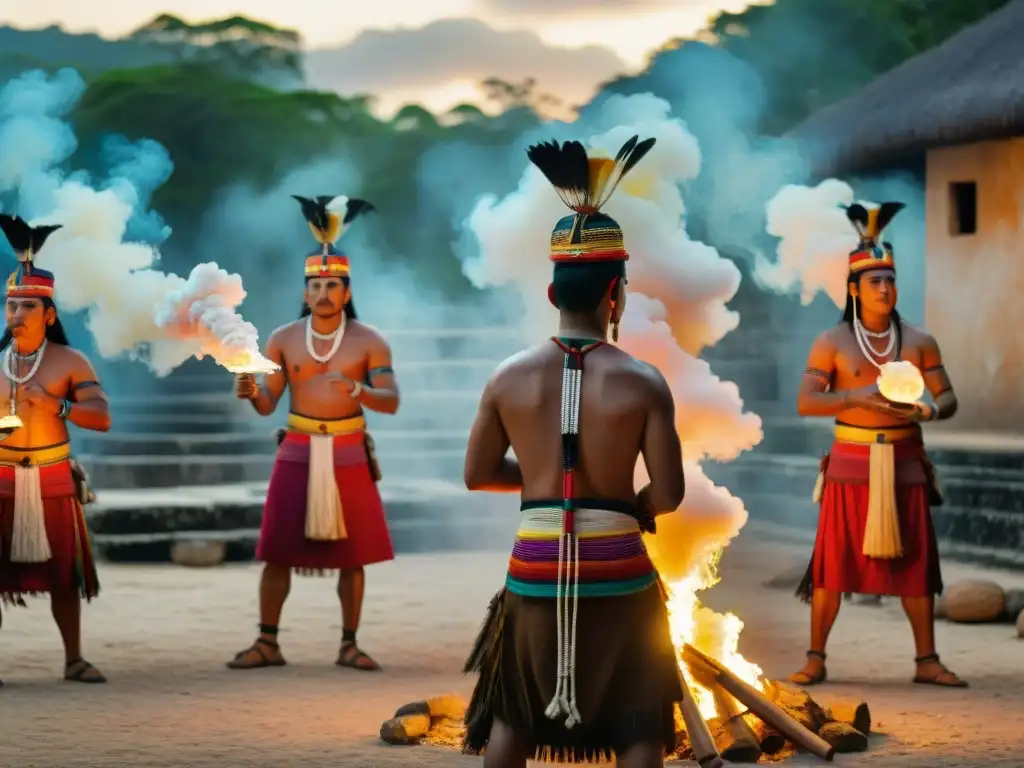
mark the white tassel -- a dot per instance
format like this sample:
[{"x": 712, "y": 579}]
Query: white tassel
[
  {"x": 555, "y": 707},
  {"x": 325, "y": 519},
  {"x": 29, "y": 543}
]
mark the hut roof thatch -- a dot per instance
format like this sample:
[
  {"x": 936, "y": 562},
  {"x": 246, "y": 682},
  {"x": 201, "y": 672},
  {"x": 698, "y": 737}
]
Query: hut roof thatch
[{"x": 970, "y": 88}]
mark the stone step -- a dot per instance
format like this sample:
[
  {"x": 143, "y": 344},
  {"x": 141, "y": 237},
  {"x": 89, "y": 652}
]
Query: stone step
[
  {"x": 422, "y": 516},
  {"x": 140, "y": 471},
  {"x": 251, "y": 441},
  {"x": 962, "y": 485}
]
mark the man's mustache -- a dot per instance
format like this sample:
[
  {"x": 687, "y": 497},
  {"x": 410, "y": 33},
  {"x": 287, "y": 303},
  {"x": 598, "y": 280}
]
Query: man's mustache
[{"x": 325, "y": 303}]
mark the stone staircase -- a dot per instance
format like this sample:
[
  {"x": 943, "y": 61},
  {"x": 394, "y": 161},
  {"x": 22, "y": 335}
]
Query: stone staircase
[{"x": 191, "y": 461}]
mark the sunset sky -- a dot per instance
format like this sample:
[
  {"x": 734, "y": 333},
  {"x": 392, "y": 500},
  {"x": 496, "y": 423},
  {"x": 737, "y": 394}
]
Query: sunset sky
[{"x": 588, "y": 40}]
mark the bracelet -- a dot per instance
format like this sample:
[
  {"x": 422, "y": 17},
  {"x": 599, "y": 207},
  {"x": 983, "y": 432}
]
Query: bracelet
[
  {"x": 357, "y": 390},
  {"x": 65, "y": 409}
]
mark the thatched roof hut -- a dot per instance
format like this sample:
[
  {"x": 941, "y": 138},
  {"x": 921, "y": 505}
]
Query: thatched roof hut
[{"x": 970, "y": 88}]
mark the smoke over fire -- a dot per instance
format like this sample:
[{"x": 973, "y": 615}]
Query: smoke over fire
[{"x": 677, "y": 306}]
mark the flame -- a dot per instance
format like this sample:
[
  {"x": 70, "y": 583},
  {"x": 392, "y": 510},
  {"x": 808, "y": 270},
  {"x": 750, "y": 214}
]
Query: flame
[
  {"x": 715, "y": 634},
  {"x": 249, "y": 362}
]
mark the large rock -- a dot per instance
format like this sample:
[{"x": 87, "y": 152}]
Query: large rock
[
  {"x": 198, "y": 554},
  {"x": 975, "y": 601}
]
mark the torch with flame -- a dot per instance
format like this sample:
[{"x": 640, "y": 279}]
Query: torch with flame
[{"x": 901, "y": 382}]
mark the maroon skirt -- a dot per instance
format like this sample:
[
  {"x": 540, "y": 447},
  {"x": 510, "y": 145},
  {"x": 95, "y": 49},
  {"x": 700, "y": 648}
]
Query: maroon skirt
[
  {"x": 71, "y": 567},
  {"x": 283, "y": 529},
  {"x": 839, "y": 564}
]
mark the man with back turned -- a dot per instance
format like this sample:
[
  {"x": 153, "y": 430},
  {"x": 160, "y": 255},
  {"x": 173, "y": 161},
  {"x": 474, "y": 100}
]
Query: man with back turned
[{"x": 575, "y": 661}]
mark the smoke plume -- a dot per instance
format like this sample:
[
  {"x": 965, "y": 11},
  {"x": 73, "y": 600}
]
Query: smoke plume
[
  {"x": 132, "y": 308},
  {"x": 677, "y": 304}
]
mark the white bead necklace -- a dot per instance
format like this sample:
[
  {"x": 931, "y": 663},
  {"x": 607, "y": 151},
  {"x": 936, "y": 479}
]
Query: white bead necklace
[
  {"x": 8, "y": 369},
  {"x": 862, "y": 335},
  {"x": 17, "y": 381},
  {"x": 335, "y": 337}
]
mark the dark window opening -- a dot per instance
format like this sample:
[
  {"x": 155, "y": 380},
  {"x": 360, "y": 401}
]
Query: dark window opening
[{"x": 963, "y": 199}]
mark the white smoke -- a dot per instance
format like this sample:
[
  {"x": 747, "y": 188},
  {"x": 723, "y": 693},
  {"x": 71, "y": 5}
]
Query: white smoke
[
  {"x": 677, "y": 303},
  {"x": 815, "y": 240},
  {"x": 132, "y": 307}
]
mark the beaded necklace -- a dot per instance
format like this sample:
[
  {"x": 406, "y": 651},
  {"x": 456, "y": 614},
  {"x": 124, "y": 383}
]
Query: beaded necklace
[{"x": 567, "y": 591}]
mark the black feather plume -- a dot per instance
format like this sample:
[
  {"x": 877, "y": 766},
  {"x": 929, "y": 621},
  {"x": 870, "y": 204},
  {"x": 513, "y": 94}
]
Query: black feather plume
[
  {"x": 886, "y": 213},
  {"x": 356, "y": 207},
  {"x": 24, "y": 239}
]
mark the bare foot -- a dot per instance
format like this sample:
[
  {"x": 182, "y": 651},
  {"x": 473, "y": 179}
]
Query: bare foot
[
  {"x": 813, "y": 672},
  {"x": 262, "y": 653},
  {"x": 931, "y": 671}
]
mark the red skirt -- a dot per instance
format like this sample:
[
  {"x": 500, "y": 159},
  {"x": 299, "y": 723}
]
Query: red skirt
[
  {"x": 839, "y": 564},
  {"x": 283, "y": 529},
  {"x": 71, "y": 568}
]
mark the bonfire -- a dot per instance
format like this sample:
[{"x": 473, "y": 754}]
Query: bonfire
[{"x": 731, "y": 712}]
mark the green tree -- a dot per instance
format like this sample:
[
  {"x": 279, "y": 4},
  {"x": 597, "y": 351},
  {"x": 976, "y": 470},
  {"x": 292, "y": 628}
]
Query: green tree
[{"x": 238, "y": 45}]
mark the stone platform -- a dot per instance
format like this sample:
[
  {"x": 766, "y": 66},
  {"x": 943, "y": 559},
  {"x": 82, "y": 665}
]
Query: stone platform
[{"x": 423, "y": 516}]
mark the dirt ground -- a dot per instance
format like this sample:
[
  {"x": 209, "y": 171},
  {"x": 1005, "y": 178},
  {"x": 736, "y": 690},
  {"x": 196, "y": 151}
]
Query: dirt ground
[{"x": 163, "y": 633}]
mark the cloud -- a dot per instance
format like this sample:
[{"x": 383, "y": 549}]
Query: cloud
[{"x": 458, "y": 50}]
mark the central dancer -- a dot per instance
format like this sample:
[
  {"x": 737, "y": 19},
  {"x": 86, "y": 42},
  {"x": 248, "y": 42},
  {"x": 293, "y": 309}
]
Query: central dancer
[
  {"x": 323, "y": 511},
  {"x": 575, "y": 659}
]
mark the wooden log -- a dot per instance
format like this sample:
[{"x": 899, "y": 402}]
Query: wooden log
[
  {"x": 761, "y": 706},
  {"x": 854, "y": 713},
  {"x": 844, "y": 737},
  {"x": 737, "y": 742},
  {"x": 408, "y": 729},
  {"x": 704, "y": 750},
  {"x": 769, "y": 740}
]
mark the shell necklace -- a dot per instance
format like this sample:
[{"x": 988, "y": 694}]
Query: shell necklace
[{"x": 334, "y": 337}]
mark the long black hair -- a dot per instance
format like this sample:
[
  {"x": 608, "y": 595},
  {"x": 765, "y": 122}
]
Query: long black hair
[
  {"x": 54, "y": 333},
  {"x": 350, "y": 307},
  {"x": 849, "y": 310}
]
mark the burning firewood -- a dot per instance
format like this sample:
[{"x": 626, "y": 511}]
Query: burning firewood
[
  {"x": 701, "y": 743},
  {"x": 760, "y": 705},
  {"x": 750, "y": 726},
  {"x": 737, "y": 742},
  {"x": 844, "y": 737}
]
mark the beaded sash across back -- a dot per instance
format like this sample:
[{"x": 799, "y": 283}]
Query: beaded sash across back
[{"x": 567, "y": 552}]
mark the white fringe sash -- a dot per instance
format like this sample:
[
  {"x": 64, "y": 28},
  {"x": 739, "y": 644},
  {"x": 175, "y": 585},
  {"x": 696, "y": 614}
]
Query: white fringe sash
[
  {"x": 29, "y": 543},
  {"x": 325, "y": 518}
]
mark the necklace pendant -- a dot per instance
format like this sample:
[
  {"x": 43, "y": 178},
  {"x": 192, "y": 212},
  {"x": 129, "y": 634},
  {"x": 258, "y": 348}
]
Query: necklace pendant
[{"x": 322, "y": 367}]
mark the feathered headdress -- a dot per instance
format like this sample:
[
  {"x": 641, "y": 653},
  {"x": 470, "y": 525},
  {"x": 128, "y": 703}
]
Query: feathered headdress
[
  {"x": 870, "y": 222},
  {"x": 585, "y": 184},
  {"x": 27, "y": 280},
  {"x": 327, "y": 218}
]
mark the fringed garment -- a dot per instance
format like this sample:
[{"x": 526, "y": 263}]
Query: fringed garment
[
  {"x": 358, "y": 533},
  {"x": 44, "y": 542},
  {"x": 576, "y": 655},
  {"x": 839, "y": 562}
]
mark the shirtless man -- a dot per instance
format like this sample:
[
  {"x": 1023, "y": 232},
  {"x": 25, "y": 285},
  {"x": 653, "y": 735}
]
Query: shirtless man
[
  {"x": 44, "y": 544},
  {"x": 874, "y": 541},
  {"x": 323, "y": 511},
  {"x": 605, "y": 682}
]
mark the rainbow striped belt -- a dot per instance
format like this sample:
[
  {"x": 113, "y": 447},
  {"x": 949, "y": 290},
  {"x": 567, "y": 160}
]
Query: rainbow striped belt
[{"x": 609, "y": 556}]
